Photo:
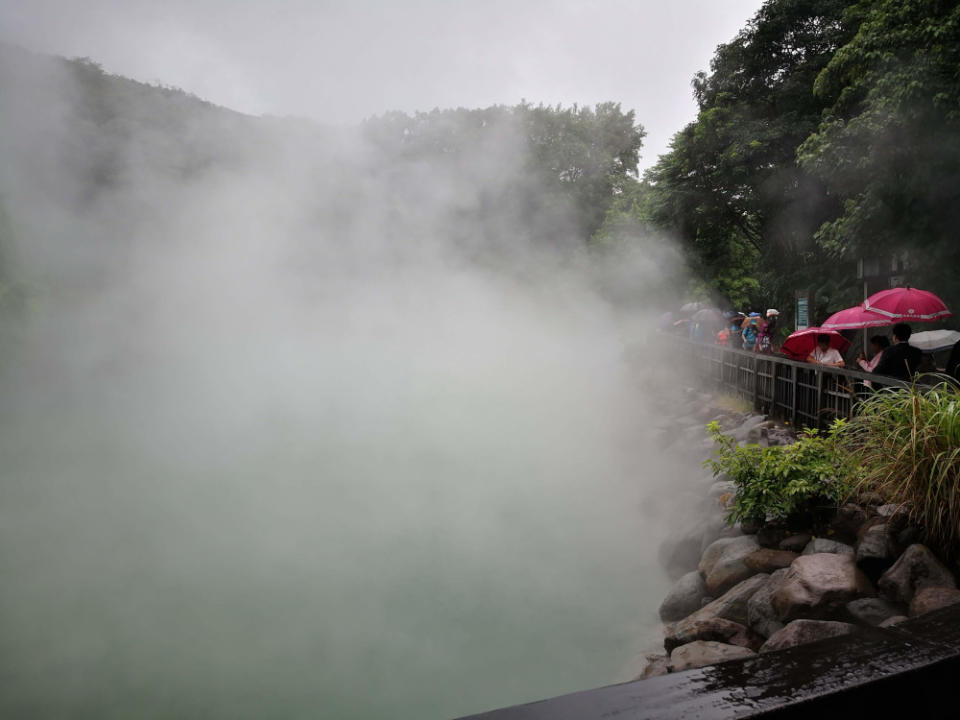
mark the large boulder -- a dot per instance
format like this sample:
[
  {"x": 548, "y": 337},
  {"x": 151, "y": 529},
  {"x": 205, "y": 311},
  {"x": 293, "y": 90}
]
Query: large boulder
[
  {"x": 732, "y": 605},
  {"x": 684, "y": 597},
  {"x": 722, "y": 564},
  {"x": 681, "y": 551},
  {"x": 817, "y": 586},
  {"x": 929, "y": 599},
  {"x": 795, "y": 543},
  {"x": 766, "y": 560},
  {"x": 896, "y": 516},
  {"x": 706, "y": 652},
  {"x": 872, "y": 611},
  {"x": 917, "y": 568},
  {"x": 761, "y": 617},
  {"x": 800, "y": 632},
  {"x": 895, "y": 620},
  {"x": 826, "y": 545},
  {"x": 718, "y": 629},
  {"x": 875, "y": 550},
  {"x": 656, "y": 665},
  {"x": 714, "y": 528},
  {"x": 848, "y": 520}
]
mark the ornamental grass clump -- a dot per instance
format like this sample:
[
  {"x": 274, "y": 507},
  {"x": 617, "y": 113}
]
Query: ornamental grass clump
[
  {"x": 907, "y": 442},
  {"x": 783, "y": 482}
]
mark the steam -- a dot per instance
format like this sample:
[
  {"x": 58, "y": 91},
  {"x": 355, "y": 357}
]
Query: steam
[{"x": 297, "y": 430}]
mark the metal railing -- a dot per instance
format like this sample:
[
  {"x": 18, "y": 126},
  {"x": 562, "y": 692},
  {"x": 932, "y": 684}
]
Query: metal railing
[{"x": 805, "y": 394}]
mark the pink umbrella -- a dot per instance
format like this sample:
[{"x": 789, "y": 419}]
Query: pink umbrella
[
  {"x": 907, "y": 303},
  {"x": 800, "y": 344},
  {"x": 855, "y": 317}
]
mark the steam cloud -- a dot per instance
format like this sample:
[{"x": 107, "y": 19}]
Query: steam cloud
[{"x": 296, "y": 430}]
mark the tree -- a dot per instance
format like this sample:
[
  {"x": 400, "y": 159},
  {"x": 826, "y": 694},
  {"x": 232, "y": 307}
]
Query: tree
[
  {"x": 730, "y": 186},
  {"x": 889, "y": 144}
]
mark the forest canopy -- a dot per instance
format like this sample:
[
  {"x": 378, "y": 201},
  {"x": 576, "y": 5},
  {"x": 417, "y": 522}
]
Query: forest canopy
[{"x": 827, "y": 132}]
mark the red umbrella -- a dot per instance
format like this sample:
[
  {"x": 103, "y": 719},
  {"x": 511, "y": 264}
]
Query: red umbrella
[
  {"x": 907, "y": 303},
  {"x": 855, "y": 317},
  {"x": 800, "y": 344}
]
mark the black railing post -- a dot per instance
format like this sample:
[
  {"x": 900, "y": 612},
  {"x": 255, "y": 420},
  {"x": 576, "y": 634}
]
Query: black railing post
[{"x": 819, "y": 401}]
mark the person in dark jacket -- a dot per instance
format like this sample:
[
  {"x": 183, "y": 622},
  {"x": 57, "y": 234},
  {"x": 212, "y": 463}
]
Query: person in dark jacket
[
  {"x": 953, "y": 364},
  {"x": 900, "y": 360}
]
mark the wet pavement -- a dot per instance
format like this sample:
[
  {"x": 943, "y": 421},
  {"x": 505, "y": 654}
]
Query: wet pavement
[{"x": 911, "y": 668}]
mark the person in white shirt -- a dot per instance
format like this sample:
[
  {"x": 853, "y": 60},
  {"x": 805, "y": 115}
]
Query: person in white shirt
[{"x": 823, "y": 354}]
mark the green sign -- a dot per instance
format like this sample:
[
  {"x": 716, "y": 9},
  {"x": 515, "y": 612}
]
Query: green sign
[{"x": 803, "y": 313}]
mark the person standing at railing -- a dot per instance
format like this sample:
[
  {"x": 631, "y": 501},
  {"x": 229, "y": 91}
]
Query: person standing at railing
[
  {"x": 878, "y": 343},
  {"x": 901, "y": 359},
  {"x": 765, "y": 336},
  {"x": 750, "y": 331},
  {"x": 823, "y": 354}
]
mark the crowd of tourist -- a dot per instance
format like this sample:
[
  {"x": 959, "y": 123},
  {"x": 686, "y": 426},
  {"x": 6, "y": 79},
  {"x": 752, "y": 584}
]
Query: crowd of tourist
[
  {"x": 749, "y": 332},
  {"x": 754, "y": 332}
]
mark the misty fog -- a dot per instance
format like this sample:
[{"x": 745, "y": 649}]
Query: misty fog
[{"x": 294, "y": 428}]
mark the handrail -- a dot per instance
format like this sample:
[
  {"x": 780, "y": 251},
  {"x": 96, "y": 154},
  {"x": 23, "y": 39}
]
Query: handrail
[{"x": 803, "y": 393}]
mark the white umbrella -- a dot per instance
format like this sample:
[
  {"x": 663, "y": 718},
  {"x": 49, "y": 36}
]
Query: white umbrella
[{"x": 933, "y": 340}]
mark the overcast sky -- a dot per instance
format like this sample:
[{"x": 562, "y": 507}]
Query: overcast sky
[{"x": 340, "y": 61}]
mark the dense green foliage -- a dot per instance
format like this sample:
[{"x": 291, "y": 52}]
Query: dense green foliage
[
  {"x": 730, "y": 187},
  {"x": 907, "y": 442},
  {"x": 827, "y": 131},
  {"x": 574, "y": 161},
  {"x": 889, "y": 144},
  {"x": 780, "y": 482}
]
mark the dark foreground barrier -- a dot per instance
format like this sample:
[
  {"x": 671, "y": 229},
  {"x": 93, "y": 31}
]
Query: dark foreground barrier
[
  {"x": 802, "y": 393},
  {"x": 910, "y": 670}
]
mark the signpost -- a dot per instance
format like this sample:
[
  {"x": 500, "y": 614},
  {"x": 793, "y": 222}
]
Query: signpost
[{"x": 804, "y": 309}]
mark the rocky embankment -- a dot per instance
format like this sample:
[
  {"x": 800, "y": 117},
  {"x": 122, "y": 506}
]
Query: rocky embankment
[{"x": 740, "y": 590}]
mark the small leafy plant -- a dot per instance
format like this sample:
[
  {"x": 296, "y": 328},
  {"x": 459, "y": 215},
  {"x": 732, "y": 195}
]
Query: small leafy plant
[{"x": 780, "y": 482}]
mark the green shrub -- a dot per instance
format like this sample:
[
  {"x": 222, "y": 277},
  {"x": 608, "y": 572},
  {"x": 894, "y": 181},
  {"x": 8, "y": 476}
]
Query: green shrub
[
  {"x": 776, "y": 483},
  {"x": 908, "y": 444}
]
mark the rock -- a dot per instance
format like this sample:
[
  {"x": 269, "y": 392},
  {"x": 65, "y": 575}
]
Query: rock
[
  {"x": 780, "y": 436},
  {"x": 681, "y": 552},
  {"x": 910, "y": 535},
  {"x": 800, "y": 632},
  {"x": 825, "y": 545},
  {"x": 748, "y": 527},
  {"x": 722, "y": 563},
  {"x": 721, "y": 493},
  {"x": 760, "y": 431},
  {"x": 713, "y": 529},
  {"x": 816, "y": 586},
  {"x": 742, "y": 433},
  {"x": 872, "y": 611},
  {"x": 795, "y": 543},
  {"x": 718, "y": 629},
  {"x": 846, "y": 523},
  {"x": 875, "y": 551},
  {"x": 656, "y": 665},
  {"x": 732, "y": 605},
  {"x": 770, "y": 535},
  {"x": 895, "y": 620},
  {"x": 706, "y": 652},
  {"x": 706, "y": 600},
  {"x": 871, "y": 498},
  {"x": 761, "y": 617},
  {"x": 767, "y": 560},
  {"x": 897, "y": 516},
  {"x": 917, "y": 568},
  {"x": 929, "y": 599},
  {"x": 684, "y": 597}
]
